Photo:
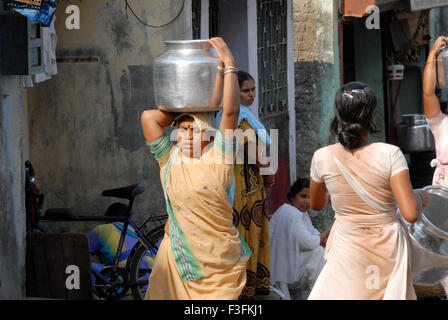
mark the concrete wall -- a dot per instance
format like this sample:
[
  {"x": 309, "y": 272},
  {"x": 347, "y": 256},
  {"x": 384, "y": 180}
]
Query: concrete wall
[
  {"x": 84, "y": 123},
  {"x": 12, "y": 188},
  {"x": 316, "y": 64}
]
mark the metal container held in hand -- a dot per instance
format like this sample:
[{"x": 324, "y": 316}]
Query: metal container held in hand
[
  {"x": 186, "y": 77},
  {"x": 442, "y": 68},
  {"x": 414, "y": 134},
  {"x": 429, "y": 239}
]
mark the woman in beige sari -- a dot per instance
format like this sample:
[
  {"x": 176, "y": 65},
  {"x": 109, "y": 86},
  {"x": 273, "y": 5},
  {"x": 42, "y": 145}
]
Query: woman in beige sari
[
  {"x": 202, "y": 255},
  {"x": 368, "y": 250}
]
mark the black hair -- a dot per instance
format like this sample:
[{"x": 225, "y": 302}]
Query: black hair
[
  {"x": 185, "y": 117},
  {"x": 243, "y": 76},
  {"x": 355, "y": 104},
  {"x": 298, "y": 186}
]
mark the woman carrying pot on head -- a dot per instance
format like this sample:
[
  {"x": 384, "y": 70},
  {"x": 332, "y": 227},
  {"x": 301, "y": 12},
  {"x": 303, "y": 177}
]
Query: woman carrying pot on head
[
  {"x": 248, "y": 192},
  {"x": 437, "y": 120},
  {"x": 368, "y": 250},
  {"x": 202, "y": 255}
]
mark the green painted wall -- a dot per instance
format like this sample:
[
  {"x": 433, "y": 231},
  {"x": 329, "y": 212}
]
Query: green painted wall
[{"x": 369, "y": 69}]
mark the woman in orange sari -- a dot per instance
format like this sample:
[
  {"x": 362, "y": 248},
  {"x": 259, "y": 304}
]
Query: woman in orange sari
[
  {"x": 202, "y": 255},
  {"x": 368, "y": 250}
]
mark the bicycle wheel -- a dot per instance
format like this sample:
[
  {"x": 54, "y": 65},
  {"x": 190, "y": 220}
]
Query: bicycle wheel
[{"x": 142, "y": 262}]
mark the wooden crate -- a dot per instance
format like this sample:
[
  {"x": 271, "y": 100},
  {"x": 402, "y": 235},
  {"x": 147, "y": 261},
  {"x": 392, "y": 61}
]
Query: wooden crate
[{"x": 48, "y": 256}]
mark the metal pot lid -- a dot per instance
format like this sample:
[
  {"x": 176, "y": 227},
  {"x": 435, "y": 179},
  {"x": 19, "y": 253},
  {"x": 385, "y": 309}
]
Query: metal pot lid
[{"x": 436, "y": 212}]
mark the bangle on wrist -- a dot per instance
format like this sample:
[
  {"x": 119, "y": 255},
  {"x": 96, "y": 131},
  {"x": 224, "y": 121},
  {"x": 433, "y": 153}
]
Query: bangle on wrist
[
  {"x": 230, "y": 69},
  {"x": 431, "y": 61},
  {"x": 220, "y": 70}
]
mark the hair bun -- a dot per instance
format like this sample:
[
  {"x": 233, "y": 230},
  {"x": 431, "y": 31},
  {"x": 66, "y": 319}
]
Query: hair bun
[{"x": 350, "y": 134}]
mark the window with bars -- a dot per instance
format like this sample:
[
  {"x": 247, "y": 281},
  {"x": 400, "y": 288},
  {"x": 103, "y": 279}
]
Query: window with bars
[
  {"x": 196, "y": 18},
  {"x": 272, "y": 56}
]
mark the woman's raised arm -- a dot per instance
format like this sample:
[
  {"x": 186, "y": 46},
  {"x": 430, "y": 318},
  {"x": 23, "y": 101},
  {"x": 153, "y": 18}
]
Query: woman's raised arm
[
  {"x": 231, "y": 95},
  {"x": 430, "y": 100}
]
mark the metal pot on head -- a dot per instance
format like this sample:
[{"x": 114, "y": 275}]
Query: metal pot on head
[
  {"x": 186, "y": 77},
  {"x": 429, "y": 239}
]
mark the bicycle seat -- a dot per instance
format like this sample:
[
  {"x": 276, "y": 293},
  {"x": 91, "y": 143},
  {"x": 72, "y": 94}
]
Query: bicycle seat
[
  {"x": 125, "y": 192},
  {"x": 58, "y": 213}
]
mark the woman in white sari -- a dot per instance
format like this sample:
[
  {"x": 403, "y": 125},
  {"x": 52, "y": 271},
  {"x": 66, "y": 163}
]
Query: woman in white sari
[
  {"x": 297, "y": 247},
  {"x": 368, "y": 250}
]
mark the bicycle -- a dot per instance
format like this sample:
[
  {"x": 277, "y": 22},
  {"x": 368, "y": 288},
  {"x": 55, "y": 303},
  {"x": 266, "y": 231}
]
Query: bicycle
[{"x": 112, "y": 282}]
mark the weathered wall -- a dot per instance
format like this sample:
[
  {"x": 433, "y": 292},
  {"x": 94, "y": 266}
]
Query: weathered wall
[
  {"x": 316, "y": 64},
  {"x": 84, "y": 123},
  {"x": 12, "y": 188}
]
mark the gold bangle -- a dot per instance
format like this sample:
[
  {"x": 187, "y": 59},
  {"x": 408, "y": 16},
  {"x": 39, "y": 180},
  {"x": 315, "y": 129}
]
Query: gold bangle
[
  {"x": 220, "y": 68},
  {"x": 230, "y": 71},
  {"x": 228, "y": 68}
]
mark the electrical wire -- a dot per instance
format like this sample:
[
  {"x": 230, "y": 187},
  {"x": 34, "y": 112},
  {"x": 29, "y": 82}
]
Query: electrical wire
[{"x": 154, "y": 26}]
